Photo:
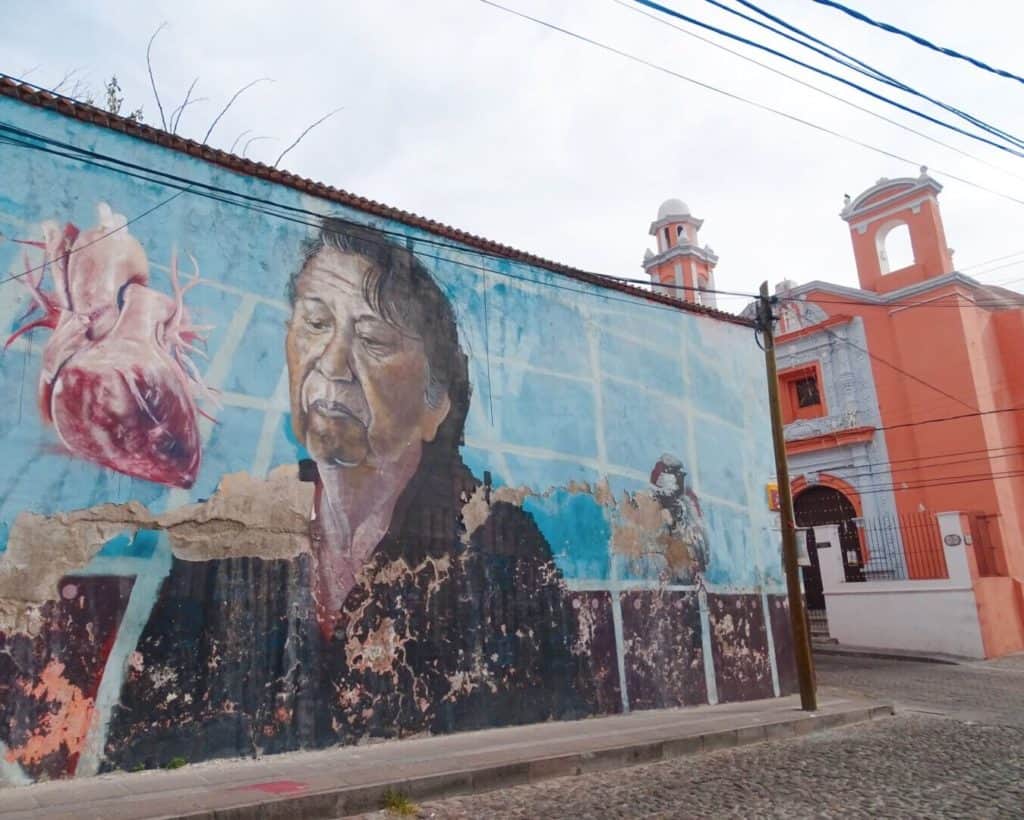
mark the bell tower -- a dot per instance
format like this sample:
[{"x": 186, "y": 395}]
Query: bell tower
[
  {"x": 681, "y": 264},
  {"x": 897, "y": 233}
]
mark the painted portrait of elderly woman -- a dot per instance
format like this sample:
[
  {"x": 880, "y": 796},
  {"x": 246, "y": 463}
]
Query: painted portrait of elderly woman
[{"x": 425, "y": 602}]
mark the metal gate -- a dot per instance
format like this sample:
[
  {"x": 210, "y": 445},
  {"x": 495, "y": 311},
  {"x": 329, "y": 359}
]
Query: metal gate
[{"x": 814, "y": 507}]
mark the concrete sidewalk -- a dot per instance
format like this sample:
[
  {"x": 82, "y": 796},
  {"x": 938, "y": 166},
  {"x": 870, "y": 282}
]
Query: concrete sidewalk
[
  {"x": 845, "y": 650},
  {"x": 333, "y": 783}
]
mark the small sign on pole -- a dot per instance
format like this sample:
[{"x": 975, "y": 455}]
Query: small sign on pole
[
  {"x": 803, "y": 555},
  {"x": 774, "y": 502}
]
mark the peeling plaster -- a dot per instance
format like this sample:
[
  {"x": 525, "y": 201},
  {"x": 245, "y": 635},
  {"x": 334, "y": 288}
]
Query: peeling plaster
[
  {"x": 246, "y": 517},
  {"x": 664, "y": 523},
  {"x": 478, "y": 507},
  {"x": 42, "y": 549}
]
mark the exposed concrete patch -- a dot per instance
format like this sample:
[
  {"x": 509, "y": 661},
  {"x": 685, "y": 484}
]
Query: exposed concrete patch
[
  {"x": 41, "y": 549},
  {"x": 664, "y": 523},
  {"x": 247, "y": 516},
  {"x": 476, "y": 510},
  {"x": 640, "y": 525}
]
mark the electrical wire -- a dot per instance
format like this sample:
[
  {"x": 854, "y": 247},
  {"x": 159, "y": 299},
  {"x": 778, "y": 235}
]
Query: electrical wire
[
  {"x": 296, "y": 214},
  {"x": 857, "y": 65},
  {"x": 881, "y": 470},
  {"x": 872, "y": 489},
  {"x": 994, "y": 259},
  {"x": 921, "y": 41},
  {"x": 707, "y": 40},
  {"x": 865, "y": 303},
  {"x": 838, "y": 78},
  {"x": 739, "y": 98},
  {"x": 150, "y": 174},
  {"x": 898, "y": 369},
  {"x": 926, "y": 462},
  {"x": 228, "y": 196}
]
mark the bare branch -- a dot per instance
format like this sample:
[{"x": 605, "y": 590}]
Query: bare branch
[
  {"x": 303, "y": 134},
  {"x": 65, "y": 79},
  {"x": 231, "y": 150},
  {"x": 80, "y": 91},
  {"x": 251, "y": 140},
  {"x": 24, "y": 74},
  {"x": 152, "y": 81},
  {"x": 181, "y": 108},
  {"x": 236, "y": 95}
]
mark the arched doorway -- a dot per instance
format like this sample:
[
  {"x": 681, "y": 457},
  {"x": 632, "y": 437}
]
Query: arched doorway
[{"x": 816, "y": 506}]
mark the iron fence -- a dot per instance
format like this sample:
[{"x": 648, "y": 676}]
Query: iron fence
[{"x": 901, "y": 547}]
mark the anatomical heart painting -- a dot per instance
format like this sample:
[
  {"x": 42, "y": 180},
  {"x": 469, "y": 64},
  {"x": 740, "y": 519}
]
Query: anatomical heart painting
[{"x": 117, "y": 381}]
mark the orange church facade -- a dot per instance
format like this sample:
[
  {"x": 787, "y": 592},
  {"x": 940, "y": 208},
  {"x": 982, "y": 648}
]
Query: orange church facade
[
  {"x": 904, "y": 408},
  {"x": 942, "y": 353}
]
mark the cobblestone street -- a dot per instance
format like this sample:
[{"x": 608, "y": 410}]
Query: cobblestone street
[{"x": 955, "y": 749}]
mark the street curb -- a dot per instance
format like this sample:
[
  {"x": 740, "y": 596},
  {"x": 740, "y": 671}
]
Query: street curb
[
  {"x": 883, "y": 655},
  {"x": 343, "y": 800}
]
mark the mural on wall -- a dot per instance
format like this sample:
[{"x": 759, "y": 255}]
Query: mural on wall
[
  {"x": 117, "y": 381},
  {"x": 348, "y": 488}
]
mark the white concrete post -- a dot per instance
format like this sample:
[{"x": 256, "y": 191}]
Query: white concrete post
[
  {"x": 830, "y": 561},
  {"x": 954, "y": 540}
]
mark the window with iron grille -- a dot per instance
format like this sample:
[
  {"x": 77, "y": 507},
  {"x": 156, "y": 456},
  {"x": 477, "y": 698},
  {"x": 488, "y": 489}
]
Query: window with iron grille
[
  {"x": 801, "y": 393},
  {"x": 807, "y": 394}
]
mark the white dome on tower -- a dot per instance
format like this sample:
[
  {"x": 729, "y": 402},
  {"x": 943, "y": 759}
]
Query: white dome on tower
[{"x": 673, "y": 207}]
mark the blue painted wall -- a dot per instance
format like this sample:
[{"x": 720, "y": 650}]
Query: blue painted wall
[{"x": 571, "y": 383}]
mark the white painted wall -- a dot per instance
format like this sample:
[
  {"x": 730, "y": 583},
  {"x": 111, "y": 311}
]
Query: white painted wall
[{"x": 919, "y": 616}]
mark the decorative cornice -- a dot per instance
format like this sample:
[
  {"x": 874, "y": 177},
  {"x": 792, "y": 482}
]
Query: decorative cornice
[
  {"x": 678, "y": 219},
  {"x": 696, "y": 251},
  {"x": 870, "y": 297},
  {"x": 824, "y": 441},
  {"x": 832, "y": 321},
  {"x": 905, "y": 186}
]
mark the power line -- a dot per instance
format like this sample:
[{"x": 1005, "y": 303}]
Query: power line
[
  {"x": 150, "y": 174},
  {"x": 256, "y": 204},
  {"x": 858, "y": 66},
  {"x": 882, "y": 468},
  {"x": 739, "y": 98},
  {"x": 99, "y": 238},
  {"x": 851, "y": 62},
  {"x": 980, "y": 303},
  {"x": 871, "y": 489},
  {"x": 899, "y": 370},
  {"x": 812, "y": 87},
  {"x": 921, "y": 41},
  {"x": 229, "y": 196},
  {"x": 994, "y": 259},
  {"x": 981, "y": 450},
  {"x": 838, "y": 78}
]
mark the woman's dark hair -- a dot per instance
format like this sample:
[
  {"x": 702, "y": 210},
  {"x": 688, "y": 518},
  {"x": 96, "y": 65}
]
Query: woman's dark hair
[{"x": 399, "y": 288}]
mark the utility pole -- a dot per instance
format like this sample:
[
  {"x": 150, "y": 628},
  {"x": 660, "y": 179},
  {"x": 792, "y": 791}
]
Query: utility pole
[{"x": 797, "y": 617}]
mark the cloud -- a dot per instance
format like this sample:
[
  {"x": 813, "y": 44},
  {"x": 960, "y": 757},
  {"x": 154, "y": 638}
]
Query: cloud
[{"x": 467, "y": 115}]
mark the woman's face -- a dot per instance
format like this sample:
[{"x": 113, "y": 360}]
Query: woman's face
[{"x": 358, "y": 383}]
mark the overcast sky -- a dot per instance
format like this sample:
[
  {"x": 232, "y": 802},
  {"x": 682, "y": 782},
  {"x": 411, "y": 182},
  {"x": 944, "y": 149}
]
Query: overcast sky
[{"x": 467, "y": 115}]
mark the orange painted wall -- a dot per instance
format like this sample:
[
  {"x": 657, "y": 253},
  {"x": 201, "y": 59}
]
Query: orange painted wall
[
  {"x": 958, "y": 351},
  {"x": 928, "y": 239},
  {"x": 937, "y": 356}
]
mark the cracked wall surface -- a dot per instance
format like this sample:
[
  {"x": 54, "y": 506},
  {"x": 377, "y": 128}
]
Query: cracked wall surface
[{"x": 271, "y": 486}]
